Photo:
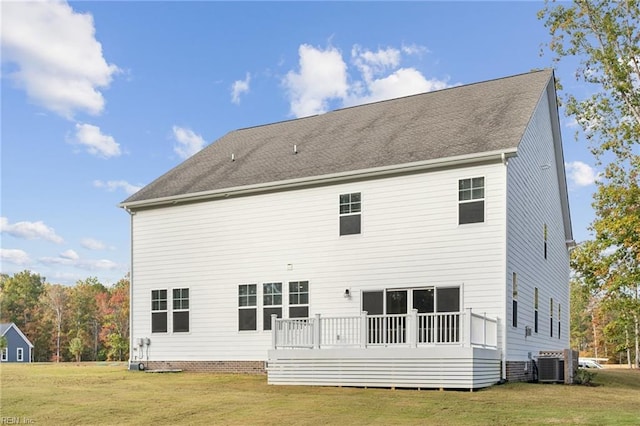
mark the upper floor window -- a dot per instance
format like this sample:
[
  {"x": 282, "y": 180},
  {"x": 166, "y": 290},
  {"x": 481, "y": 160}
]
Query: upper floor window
[
  {"x": 350, "y": 209},
  {"x": 471, "y": 200},
  {"x": 180, "y": 310},
  {"x": 158, "y": 311},
  {"x": 298, "y": 299},
  {"x": 247, "y": 310}
]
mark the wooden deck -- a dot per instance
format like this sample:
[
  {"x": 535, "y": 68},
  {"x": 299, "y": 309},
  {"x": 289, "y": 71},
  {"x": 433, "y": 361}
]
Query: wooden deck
[{"x": 455, "y": 350}]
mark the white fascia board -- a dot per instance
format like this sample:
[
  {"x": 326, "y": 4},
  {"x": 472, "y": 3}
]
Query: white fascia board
[{"x": 325, "y": 179}]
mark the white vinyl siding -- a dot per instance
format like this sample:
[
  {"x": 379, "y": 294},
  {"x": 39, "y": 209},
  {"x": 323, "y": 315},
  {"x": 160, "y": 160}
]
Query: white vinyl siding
[
  {"x": 535, "y": 221},
  {"x": 412, "y": 240}
]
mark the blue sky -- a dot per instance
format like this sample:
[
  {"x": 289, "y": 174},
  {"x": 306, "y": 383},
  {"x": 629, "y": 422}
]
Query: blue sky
[{"x": 100, "y": 98}]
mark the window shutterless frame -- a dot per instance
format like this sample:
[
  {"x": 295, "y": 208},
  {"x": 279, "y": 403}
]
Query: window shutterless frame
[
  {"x": 471, "y": 200},
  {"x": 159, "y": 311},
  {"x": 247, "y": 307},
  {"x": 180, "y": 313},
  {"x": 350, "y": 213}
]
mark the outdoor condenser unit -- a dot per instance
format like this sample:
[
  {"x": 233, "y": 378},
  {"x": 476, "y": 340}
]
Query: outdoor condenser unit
[{"x": 550, "y": 369}]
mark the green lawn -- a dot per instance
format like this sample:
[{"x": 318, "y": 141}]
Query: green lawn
[{"x": 106, "y": 394}]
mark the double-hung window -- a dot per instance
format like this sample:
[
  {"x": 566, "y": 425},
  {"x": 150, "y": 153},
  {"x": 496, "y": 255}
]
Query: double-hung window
[
  {"x": 298, "y": 299},
  {"x": 559, "y": 320},
  {"x": 158, "y": 311},
  {"x": 180, "y": 310},
  {"x": 471, "y": 200},
  {"x": 272, "y": 303},
  {"x": 20, "y": 354},
  {"x": 5, "y": 354},
  {"x": 514, "y": 298},
  {"x": 535, "y": 309},
  {"x": 247, "y": 307},
  {"x": 350, "y": 213},
  {"x": 551, "y": 317}
]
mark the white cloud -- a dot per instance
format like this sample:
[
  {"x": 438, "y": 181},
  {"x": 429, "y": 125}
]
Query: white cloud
[
  {"x": 403, "y": 82},
  {"x": 96, "y": 142},
  {"x": 59, "y": 61},
  {"x": 581, "y": 174},
  {"x": 30, "y": 230},
  {"x": 93, "y": 244},
  {"x": 113, "y": 185},
  {"x": 69, "y": 254},
  {"x": 322, "y": 76},
  {"x": 71, "y": 258},
  {"x": 371, "y": 63},
  {"x": 238, "y": 88},
  {"x": 188, "y": 142},
  {"x": 15, "y": 256},
  {"x": 414, "y": 49}
]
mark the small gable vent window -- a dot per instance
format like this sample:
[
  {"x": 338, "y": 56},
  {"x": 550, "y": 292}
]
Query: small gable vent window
[
  {"x": 471, "y": 200},
  {"x": 158, "y": 311},
  {"x": 350, "y": 213}
]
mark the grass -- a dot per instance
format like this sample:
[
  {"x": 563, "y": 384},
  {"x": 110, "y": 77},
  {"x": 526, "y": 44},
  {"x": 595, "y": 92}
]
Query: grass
[{"x": 107, "y": 394}]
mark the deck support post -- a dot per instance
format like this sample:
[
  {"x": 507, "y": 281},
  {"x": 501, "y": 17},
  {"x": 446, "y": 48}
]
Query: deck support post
[
  {"x": 467, "y": 327},
  {"x": 316, "y": 332},
  {"x": 412, "y": 329},
  {"x": 364, "y": 329},
  {"x": 274, "y": 331}
]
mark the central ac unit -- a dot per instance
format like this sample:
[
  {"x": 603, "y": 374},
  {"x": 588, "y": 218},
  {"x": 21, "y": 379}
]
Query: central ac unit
[{"x": 550, "y": 369}]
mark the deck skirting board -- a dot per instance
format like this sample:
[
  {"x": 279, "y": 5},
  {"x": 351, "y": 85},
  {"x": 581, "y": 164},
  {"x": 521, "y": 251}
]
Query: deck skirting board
[{"x": 448, "y": 368}]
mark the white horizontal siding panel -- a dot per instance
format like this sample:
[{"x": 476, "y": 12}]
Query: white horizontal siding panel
[
  {"x": 410, "y": 238},
  {"x": 534, "y": 200}
]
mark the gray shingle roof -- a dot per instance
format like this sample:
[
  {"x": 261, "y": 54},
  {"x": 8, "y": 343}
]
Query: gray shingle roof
[{"x": 464, "y": 120}]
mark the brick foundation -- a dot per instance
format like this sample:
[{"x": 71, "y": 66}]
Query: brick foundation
[
  {"x": 516, "y": 371},
  {"x": 241, "y": 367}
]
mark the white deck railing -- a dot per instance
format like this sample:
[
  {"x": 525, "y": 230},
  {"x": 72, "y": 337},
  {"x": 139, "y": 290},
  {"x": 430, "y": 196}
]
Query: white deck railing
[{"x": 412, "y": 329}]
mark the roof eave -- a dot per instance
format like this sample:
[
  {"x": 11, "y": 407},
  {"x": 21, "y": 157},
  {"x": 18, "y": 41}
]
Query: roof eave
[{"x": 375, "y": 172}]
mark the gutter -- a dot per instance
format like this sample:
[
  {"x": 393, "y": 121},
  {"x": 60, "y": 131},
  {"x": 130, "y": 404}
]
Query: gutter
[{"x": 498, "y": 156}]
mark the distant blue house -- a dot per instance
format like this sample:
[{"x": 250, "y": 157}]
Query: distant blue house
[{"x": 18, "y": 348}]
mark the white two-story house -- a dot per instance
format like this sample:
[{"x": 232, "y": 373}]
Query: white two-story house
[{"x": 415, "y": 242}]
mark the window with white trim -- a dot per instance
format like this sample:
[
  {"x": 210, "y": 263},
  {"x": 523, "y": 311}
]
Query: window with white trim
[
  {"x": 298, "y": 299},
  {"x": 247, "y": 307},
  {"x": 4, "y": 355},
  {"x": 20, "y": 354},
  {"x": 545, "y": 240},
  {"x": 559, "y": 320},
  {"x": 514, "y": 298},
  {"x": 180, "y": 310},
  {"x": 471, "y": 200},
  {"x": 350, "y": 213},
  {"x": 272, "y": 303},
  {"x": 535, "y": 309},
  {"x": 159, "y": 311},
  {"x": 551, "y": 317}
]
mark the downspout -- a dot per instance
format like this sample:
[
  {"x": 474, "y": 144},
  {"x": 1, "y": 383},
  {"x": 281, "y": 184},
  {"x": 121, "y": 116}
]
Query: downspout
[
  {"x": 505, "y": 272},
  {"x": 131, "y": 214}
]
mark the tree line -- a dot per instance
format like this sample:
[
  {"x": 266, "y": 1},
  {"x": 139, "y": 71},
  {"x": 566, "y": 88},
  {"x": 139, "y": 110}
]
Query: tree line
[
  {"x": 85, "y": 322},
  {"x": 604, "y": 37}
]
